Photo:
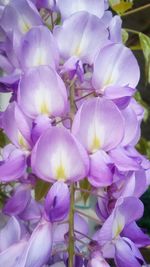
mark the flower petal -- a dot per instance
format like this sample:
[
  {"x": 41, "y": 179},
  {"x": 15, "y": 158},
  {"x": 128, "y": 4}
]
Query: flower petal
[
  {"x": 42, "y": 91},
  {"x": 39, "y": 48},
  {"x": 57, "y": 202},
  {"x": 50, "y": 159},
  {"x": 78, "y": 36},
  {"x": 38, "y": 249},
  {"x": 98, "y": 117},
  {"x": 67, "y": 7},
  {"x": 115, "y": 65}
]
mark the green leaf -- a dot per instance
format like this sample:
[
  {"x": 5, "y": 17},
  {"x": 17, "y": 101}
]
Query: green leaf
[
  {"x": 41, "y": 189},
  {"x": 121, "y": 6},
  {"x": 144, "y": 104},
  {"x": 3, "y": 139},
  {"x": 144, "y": 147},
  {"x": 125, "y": 36},
  {"x": 145, "y": 44},
  {"x": 84, "y": 184}
]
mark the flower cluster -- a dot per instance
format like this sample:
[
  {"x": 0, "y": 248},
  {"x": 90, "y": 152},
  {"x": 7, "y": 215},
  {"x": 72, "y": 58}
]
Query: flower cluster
[{"x": 71, "y": 117}]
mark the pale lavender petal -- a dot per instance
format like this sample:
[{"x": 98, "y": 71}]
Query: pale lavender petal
[
  {"x": 136, "y": 235},
  {"x": 124, "y": 255},
  {"x": 39, "y": 48},
  {"x": 40, "y": 125},
  {"x": 115, "y": 65},
  {"x": 13, "y": 167},
  {"x": 18, "y": 202},
  {"x": 135, "y": 185},
  {"x": 120, "y": 95},
  {"x": 107, "y": 17},
  {"x": 57, "y": 202},
  {"x": 10, "y": 256},
  {"x": 124, "y": 161},
  {"x": 115, "y": 29},
  {"x": 38, "y": 249},
  {"x": 33, "y": 211},
  {"x": 131, "y": 125},
  {"x": 50, "y": 159},
  {"x": 81, "y": 35},
  {"x": 17, "y": 126},
  {"x": 42, "y": 91},
  {"x": 68, "y": 7},
  {"x": 128, "y": 210},
  {"x": 102, "y": 210},
  {"x": 20, "y": 16},
  {"x": 99, "y": 117},
  {"x": 10, "y": 234},
  {"x": 100, "y": 173}
]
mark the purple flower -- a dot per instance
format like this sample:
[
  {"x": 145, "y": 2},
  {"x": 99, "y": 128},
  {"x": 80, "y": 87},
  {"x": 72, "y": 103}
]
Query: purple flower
[
  {"x": 38, "y": 47},
  {"x": 99, "y": 117},
  {"x": 17, "y": 126},
  {"x": 42, "y": 91},
  {"x": 111, "y": 239},
  {"x": 50, "y": 159},
  {"x": 123, "y": 70},
  {"x": 18, "y": 17},
  {"x": 18, "y": 202},
  {"x": 13, "y": 165},
  {"x": 67, "y": 7},
  {"x": 57, "y": 202},
  {"x": 13, "y": 241},
  {"x": 78, "y": 37},
  {"x": 33, "y": 255}
]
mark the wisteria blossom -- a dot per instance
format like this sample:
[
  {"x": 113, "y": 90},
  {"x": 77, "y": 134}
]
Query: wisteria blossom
[{"x": 71, "y": 128}]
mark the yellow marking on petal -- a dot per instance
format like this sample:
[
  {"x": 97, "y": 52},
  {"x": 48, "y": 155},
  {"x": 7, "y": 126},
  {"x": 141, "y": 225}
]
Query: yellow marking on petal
[
  {"x": 44, "y": 108},
  {"x": 119, "y": 229},
  {"x": 118, "y": 225},
  {"x": 60, "y": 173},
  {"x": 78, "y": 51},
  {"x": 25, "y": 26},
  {"x": 96, "y": 144},
  {"x": 22, "y": 142},
  {"x": 109, "y": 81}
]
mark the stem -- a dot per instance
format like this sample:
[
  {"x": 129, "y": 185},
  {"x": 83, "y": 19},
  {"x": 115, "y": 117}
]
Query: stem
[
  {"x": 52, "y": 21},
  {"x": 88, "y": 192},
  {"x": 78, "y": 232},
  {"x": 132, "y": 31},
  {"x": 71, "y": 227},
  {"x": 135, "y": 10},
  {"x": 72, "y": 190},
  {"x": 88, "y": 216},
  {"x": 82, "y": 97}
]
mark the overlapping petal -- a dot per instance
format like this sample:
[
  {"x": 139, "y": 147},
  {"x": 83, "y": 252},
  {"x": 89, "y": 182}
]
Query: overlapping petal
[
  {"x": 67, "y": 7},
  {"x": 17, "y": 126},
  {"x": 55, "y": 153},
  {"x": 14, "y": 165},
  {"x": 98, "y": 117},
  {"x": 42, "y": 91},
  {"x": 115, "y": 65},
  {"x": 57, "y": 202},
  {"x": 33, "y": 255},
  {"x": 81, "y": 35},
  {"x": 38, "y": 48}
]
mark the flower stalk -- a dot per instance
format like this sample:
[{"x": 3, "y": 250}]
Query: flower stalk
[{"x": 72, "y": 189}]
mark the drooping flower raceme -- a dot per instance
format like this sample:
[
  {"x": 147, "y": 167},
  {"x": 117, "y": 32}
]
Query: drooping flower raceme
[{"x": 72, "y": 124}]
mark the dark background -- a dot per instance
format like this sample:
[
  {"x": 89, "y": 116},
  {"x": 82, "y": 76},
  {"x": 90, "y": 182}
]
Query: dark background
[{"x": 140, "y": 21}]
